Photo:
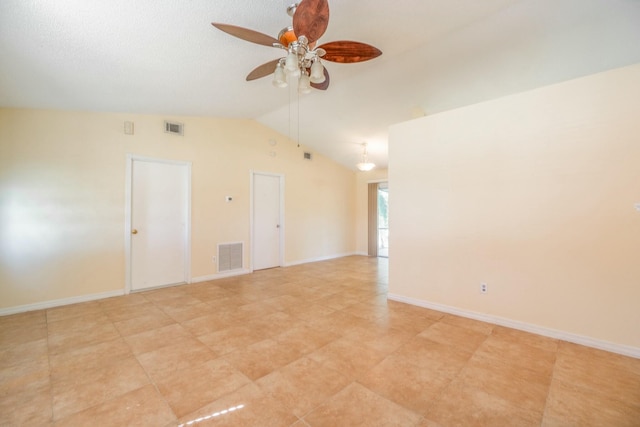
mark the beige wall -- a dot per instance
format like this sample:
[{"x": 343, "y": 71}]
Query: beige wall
[
  {"x": 534, "y": 194},
  {"x": 362, "y": 181},
  {"x": 62, "y": 195}
]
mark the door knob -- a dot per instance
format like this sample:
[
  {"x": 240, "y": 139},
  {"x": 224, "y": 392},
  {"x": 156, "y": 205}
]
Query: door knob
[{"x": 134, "y": 231}]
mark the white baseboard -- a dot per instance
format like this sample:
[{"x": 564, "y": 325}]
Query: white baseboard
[
  {"x": 59, "y": 302},
  {"x": 323, "y": 258},
  {"x": 220, "y": 275},
  {"x": 527, "y": 327}
]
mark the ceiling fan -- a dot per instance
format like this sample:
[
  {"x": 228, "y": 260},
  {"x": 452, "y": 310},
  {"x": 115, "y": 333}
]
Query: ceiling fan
[{"x": 310, "y": 20}]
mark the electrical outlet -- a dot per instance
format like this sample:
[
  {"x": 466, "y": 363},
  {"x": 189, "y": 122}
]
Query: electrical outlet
[
  {"x": 213, "y": 259},
  {"x": 483, "y": 288}
]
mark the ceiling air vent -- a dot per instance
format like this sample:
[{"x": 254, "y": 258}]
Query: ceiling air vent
[
  {"x": 307, "y": 155},
  {"x": 174, "y": 128}
]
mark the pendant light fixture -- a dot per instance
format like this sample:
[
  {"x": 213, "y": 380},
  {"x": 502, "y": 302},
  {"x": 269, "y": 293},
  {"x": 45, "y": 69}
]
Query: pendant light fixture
[{"x": 365, "y": 165}]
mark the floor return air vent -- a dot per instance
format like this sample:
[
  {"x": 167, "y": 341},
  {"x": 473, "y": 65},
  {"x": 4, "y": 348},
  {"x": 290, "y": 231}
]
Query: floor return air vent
[{"x": 230, "y": 256}]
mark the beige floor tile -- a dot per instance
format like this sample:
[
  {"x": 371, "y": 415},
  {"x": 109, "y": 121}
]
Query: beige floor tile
[
  {"x": 154, "y": 339},
  {"x": 339, "y": 322},
  {"x": 141, "y": 407},
  {"x": 28, "y": 318},
  {"x": 74, "y": 393},
  {"x": 23, "y": 352},
  {"x": 255, "y": 309},
  {"x": 526, "y": 338},
  {"x": 30, "y": 376},
  {"x": 462, "y": 405},
  {"x": 303, "y": 385},
  {"x": 127, "y": 312},
  {"x": 318, "y": 341},
  {"x": 403, "y": 320},
  {"x": 173, "y": 358},
  {"x": 304, "y": 339},
  {"x": 464, "y": 322},
  {"x": 406, "y": 384},
  {"x": 283, "y": 302},
  {"x": 182, "y": 314},
  {"x": 432, "y": 356},
  {"x": 348, "y": 357},
  {"x": 462, "y": 338},
  {"x": 520, "y": 387},
  {"x": 20, "y": 334},
  {"x": 610, "y": 376},
  {"x": 31, "y": 408},
  {"x": 593, "y": 355},
  {"x": 309, "y": 312},
  {"x": 216, "y": 321},
  {"x": 575, "y": 406},
  {"x": 261, "y": 358},
  {"x": 192, "y": 388},
  {"x": 518, "y": 354},
  {"x": 400, "y": 307},
  {"x": 149, "y": 319},
  {"x": 428, "y": 423},
  {"x": 384, "y": 340},
  {"x": 167, "y": 293},
  {"x": 84, "y": 309},
  {"x": 358, "y": 406},
  {"x": 92, "y": 333},
  {"x": 230, "y": 339},
  {"x": 367, "y": 310},
  {"x": 88, "y": 358},
  {"x": 125, "y": 301},
  {"x": 78, "y": 323},
  {"x": 337, "y": 301},
  {"x": 246, "y": 407},
  {"x": 273, "y": 324},
  {"x": 207, "y": 291},
  {"x": 178, "y": 301}
]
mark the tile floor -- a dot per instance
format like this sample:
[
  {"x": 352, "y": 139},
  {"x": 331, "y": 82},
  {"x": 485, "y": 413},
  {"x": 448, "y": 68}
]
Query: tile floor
[{"x": 311, "y": 345}]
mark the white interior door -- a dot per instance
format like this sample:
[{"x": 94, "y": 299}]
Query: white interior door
[
  {"x": 159, "y": 223},
  {"x": 267, "y": 227}
]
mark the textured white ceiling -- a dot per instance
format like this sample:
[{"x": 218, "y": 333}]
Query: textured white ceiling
[{"x": 164, "y": 57}]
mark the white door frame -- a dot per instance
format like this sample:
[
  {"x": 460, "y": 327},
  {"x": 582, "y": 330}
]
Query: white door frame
[
  {"x": 128, "y": 193},
  {"x": 252, "y": 174}
]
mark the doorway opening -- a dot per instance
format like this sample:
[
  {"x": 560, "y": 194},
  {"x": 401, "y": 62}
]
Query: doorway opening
[
  {"x": 378, "y": 213},
  {"x": 383, "y": 220}
]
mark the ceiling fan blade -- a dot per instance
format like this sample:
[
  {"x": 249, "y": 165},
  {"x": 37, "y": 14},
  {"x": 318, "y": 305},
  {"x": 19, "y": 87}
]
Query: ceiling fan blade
[
  {"x": 246, "y": 34},
  {"x": 311, "y": 19},
  {"x": 325, "y": 84},
  {"x": 263, "y": 70},
  {"x": 347, "y": 52}
]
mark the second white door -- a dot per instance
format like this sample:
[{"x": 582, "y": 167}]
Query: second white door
[
  {"x": 267, "y": 227},
  {"x": 159, "y": 223}
]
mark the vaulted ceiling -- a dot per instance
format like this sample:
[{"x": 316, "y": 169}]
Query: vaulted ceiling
[{"x": 164, "y": 57}]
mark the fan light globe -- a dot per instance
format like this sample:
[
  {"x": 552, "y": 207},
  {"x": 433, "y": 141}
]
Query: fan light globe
[
  {"x": 279, "y": 77},
  {"x": 303, "y": 84},
  {"x": 291, "y": 63},
  {"x": 317, "y": 73}
]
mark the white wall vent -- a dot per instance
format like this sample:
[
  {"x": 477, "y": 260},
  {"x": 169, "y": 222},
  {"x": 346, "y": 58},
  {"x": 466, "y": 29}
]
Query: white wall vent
[
  {"x": 173, "y": 127},
  {"x": 308, "y": 155},
  {"x": 230, "y": 256}
]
